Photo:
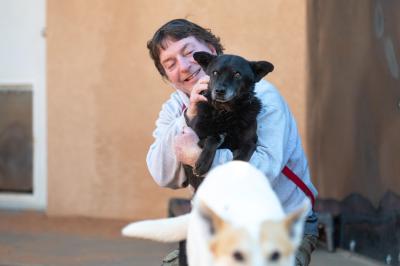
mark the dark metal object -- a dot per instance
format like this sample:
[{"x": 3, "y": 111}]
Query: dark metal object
[{"x": 364, "y": 229}]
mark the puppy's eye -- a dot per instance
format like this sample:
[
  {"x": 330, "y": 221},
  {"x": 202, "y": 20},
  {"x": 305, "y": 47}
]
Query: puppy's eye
[
  {"x": 275, "y": 256},
  {"x": 215, "y": 73},
  {"x": 238, "y": 256},
  {"x": 237, "y": 75}
]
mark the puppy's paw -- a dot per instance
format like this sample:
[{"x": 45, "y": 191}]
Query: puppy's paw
[{"x": 201, "y": 168}]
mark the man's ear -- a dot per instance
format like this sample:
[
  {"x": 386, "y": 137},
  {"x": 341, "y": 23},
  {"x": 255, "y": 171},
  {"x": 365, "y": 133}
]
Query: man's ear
[
  {"x": 261, "y": 68},
  {"x": 294, "y": 222},
  {"x": 203, "y": 58},
  {"x": 212, "y": 49}
]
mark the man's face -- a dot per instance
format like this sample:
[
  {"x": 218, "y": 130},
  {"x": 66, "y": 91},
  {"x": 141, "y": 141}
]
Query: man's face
[{"x": 180, "y": 67}]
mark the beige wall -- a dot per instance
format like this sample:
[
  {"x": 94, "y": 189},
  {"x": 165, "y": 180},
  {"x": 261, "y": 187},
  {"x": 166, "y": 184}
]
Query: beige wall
[{"x": 104, "y": 94}]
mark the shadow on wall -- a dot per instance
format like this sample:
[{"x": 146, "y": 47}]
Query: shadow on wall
[{"x": 354, "y": 99}]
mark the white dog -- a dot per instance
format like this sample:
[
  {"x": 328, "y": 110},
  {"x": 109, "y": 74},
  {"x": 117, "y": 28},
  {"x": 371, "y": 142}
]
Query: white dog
[{"x": 236, "y": 219}]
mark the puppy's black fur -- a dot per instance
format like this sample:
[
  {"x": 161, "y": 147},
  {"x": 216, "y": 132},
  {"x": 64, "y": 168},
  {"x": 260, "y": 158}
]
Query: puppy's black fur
[{"x": 228, "y": 119}]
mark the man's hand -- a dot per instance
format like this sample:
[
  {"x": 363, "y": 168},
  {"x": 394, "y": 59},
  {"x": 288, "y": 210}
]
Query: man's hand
[
  {"x": 186, "y": 149},
  {"x": 195, "y": 96}
]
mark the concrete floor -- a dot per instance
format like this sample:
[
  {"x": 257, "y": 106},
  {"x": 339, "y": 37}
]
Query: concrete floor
[{"x": 31, "y": 238}]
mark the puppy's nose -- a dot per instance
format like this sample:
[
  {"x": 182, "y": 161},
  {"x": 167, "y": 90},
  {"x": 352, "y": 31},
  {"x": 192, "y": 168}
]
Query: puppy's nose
[{"x": 220, "y": 90}]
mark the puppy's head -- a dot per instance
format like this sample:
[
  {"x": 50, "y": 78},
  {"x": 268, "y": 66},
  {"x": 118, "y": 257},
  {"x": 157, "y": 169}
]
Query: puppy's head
[
  {"x": 271, "y": 242},
  {"x": 231, "y": 76}
]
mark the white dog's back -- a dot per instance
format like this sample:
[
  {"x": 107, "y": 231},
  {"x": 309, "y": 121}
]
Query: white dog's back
[{"x": 234, "y": 190}]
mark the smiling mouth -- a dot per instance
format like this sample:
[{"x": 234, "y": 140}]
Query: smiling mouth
[{"x": 192, "y": 76}]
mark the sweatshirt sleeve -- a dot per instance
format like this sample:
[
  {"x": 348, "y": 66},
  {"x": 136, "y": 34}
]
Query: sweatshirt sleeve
[
  {"x": 161, "y": 160},
  {"x": 269, "y": 155},
  {"x": 274, "y": 130}
]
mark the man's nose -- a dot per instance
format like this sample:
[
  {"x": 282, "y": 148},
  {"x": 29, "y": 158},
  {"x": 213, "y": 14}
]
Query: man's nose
[{"x": 184, "y": 64}]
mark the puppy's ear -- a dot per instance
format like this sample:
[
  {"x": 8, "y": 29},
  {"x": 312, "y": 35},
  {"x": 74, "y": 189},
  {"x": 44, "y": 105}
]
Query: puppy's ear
[
  {"x": 261, "y": 68},
  {"x": 203, "y": 58},
  {"x": 294, "y": 222}
]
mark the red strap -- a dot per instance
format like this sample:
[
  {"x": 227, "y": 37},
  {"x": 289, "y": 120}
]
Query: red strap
[{"x": 295, "y": 179}]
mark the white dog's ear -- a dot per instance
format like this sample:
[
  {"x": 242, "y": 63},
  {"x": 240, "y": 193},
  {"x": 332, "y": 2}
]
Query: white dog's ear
[
  {"x": 213, "y": 220},
  {"x": 294, "y": 222},
  {"x": 203, "y": 58}
]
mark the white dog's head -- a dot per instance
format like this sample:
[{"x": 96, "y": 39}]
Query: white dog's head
[
  {"x": 271, "y": 242},
  {"x": 243, "y": 220}
]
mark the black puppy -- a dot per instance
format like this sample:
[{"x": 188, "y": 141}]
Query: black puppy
[{"x": 228, "y": 119}]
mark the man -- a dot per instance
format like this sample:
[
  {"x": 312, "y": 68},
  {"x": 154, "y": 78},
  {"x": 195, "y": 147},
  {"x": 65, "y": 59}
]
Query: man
[{"x": 279, "y": 153}]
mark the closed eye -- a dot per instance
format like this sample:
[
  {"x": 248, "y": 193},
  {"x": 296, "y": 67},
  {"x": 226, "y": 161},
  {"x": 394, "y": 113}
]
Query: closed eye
[
  {"x": 186, "y": 53},
  {"x": 170, "y": 66}
]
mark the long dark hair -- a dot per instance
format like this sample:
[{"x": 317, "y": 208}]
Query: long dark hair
[{"x": 176, "y": 30}]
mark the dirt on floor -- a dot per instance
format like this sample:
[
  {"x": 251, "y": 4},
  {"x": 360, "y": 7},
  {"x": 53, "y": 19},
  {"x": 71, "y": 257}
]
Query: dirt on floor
[{"x": 33, "y": 238}]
